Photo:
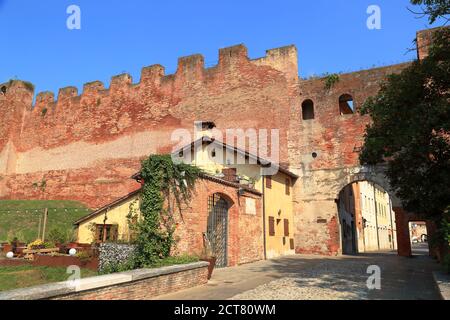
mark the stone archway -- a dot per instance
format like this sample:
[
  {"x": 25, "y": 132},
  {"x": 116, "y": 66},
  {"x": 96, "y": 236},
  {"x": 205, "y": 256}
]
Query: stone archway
[
  {"x": 376, "y": 175},
  {"x": 366, "y": 218},
  {"x": 318, "y": 228}
]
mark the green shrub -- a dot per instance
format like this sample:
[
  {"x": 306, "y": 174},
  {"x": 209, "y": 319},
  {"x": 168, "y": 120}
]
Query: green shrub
[
  {"x": 446, "y": 262},
  {"x": 170, "y": 261},
  {"x": 114, "y": 267},
  {"x": 84, "y": 255},
  {"x": 330, "y": 80}
]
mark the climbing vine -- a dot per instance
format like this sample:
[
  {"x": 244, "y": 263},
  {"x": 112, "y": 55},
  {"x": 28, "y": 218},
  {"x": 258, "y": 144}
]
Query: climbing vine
[{"x": 167, "y": 185}]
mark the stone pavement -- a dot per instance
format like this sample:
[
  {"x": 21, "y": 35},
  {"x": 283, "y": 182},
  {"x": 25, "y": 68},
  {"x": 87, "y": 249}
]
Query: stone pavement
[{"x": 303, "y": 277}]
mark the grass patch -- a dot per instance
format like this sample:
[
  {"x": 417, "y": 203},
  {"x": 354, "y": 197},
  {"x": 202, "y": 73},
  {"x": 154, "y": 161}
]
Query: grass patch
[
  {"x": 27, "y": 276},
  {"x": 20, "y": 218},
  {"x": 170, "y": 261}
]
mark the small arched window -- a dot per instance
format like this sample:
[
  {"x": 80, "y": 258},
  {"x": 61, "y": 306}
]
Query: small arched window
[
  {"x": 308, "y": 110},
  {"x": 346, "y": 105}
]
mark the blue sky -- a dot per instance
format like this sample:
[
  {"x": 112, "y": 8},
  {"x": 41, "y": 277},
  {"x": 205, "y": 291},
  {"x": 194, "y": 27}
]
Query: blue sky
[{"x": 123, "y": 36}]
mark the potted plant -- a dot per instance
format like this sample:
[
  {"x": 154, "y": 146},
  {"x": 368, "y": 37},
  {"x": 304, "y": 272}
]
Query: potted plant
[
  {"x": 71, "y": 245},
  {"x": 7, "y": 247},
  {"x": 207, "y": 255},
  {"x": 36, "y": 245}
]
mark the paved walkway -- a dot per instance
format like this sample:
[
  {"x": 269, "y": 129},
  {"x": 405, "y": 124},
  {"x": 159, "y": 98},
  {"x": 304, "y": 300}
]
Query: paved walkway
[{"x": 302, "y": 277}]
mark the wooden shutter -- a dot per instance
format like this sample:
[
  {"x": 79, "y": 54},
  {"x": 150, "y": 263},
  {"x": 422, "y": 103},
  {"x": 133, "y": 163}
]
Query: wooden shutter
[
  {"x": 99, "y": 233},
  {"x": 291, "y": 242},
  {"x": 271, "y": 226},
  {"x": 286, "y": 227},
  {"x": 114, "y": 232},
  {"x": 288, "y": 186},
  {"x": 268, "y": 182}
]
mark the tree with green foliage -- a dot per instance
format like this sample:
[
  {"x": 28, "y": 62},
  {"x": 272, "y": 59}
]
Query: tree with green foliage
[
  {"x": 410, "y": 130},
  {"x": 434, "y": 9},
  {"x": 167, "y": 185}
]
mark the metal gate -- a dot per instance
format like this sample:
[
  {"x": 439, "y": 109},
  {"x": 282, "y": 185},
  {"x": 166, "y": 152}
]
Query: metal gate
[{"x": 217, "y": 229}]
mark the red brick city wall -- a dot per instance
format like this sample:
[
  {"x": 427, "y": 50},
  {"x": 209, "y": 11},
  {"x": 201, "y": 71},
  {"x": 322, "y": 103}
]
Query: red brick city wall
[
  {"x": 144, "y": 289},
  {"x": 85, "y": 146},
  {"x": 93, "y": 132}
]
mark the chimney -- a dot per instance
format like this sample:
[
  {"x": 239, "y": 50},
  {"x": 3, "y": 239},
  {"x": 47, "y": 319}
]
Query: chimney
[{"x": 203, "y": 129}]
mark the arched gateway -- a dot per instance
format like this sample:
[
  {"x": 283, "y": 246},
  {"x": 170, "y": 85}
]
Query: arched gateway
[{"x": 217, "y": 227}]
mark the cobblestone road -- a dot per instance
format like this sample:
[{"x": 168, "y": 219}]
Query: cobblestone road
[{"x": 303, "y": 277}]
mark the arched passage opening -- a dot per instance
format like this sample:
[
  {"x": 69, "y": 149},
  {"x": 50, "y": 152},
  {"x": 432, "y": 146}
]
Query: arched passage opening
[
  {"x": 366, "y": 218},
  {"x": 418, "y": 235},
  {"x": 217, "y": 227}
]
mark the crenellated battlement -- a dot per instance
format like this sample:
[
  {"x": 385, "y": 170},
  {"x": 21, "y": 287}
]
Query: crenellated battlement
[
  {"x": 120, "y": 82},
  {"x": 16, "y": 88},
  {"x": 230, "y": 55},
  {"x": 93, "y": 87},
  {"x": 67, "y": 93},
  {"x": 43, "y": 100},
  {"x": 87, "y": 142},
  {"x": 283, "y": 59},
  {"x": 189, "y": 68},
  {"x": 152, "y": 74}
]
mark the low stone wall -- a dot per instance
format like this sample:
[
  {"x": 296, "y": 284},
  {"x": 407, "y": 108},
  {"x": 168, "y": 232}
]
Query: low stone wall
[
  {"x": 114, "y": 253},
  {"x": 140, "y": 284}
]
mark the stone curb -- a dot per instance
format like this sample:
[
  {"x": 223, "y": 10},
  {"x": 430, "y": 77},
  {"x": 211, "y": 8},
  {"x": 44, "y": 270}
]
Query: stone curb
[
  {"x": 62, "y": 288},
  {"x": 442, "y": 281}
]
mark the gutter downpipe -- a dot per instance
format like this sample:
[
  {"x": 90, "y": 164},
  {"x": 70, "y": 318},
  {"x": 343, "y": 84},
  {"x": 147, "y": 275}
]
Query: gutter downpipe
[
  {"x": 376, "y": 215},
  {"x": 264, "y": 215}
]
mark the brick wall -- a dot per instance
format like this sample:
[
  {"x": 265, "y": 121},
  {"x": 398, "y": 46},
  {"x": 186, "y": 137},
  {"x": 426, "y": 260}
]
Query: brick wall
[
  {"x": 85, "y": 146},
  {"x": 245, "y": 232},
  {"x": 144, "y": 289}
]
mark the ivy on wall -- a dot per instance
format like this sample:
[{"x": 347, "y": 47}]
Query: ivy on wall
[
  {"x": 330, "y": 80},
  {"x": 167, "y": 185}
]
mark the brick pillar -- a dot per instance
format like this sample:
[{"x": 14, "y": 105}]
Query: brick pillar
[
  {"x": 431, "y": 229},
  {"x": 403, "y": 240}
]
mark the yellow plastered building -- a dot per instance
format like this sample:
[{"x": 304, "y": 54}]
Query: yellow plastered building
[
  {"x": 110, "y": 222},
  {"x": 274, "y": 182}
]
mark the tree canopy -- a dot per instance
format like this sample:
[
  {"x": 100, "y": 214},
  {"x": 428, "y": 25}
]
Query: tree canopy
[
  {"x": 434, "y": 9},
  {"x": 410, "y": 130}
]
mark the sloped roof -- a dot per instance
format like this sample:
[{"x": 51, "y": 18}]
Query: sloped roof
[
  {"x": 105, "y": 207},
  {"x": 135, "y": 192},
  {"x": 208, "y": 140}
]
